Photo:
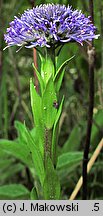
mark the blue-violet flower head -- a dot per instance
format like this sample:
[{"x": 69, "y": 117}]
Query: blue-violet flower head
[{"x": 49, "y": 25}]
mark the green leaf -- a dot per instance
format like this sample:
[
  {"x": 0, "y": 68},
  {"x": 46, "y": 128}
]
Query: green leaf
[
  {"x": 14, "y": 191},
  {"x": 18, "y": 150},
  {"x": 34, "y": 133},
  {"x": 51, "y": 187},
  {"x": 58, "y": 81},
  {"x": 48, "y": 110},
  {"x": 73, "y": 142},
  {"x": 67, "y": 163},
  {"x": 42, "y": 59},
  {"x": 36, "y": 104},
  {"x": 63, "y": 66},
  {"x": 55, "y": 129},
  {"x": 68, "y": 159},
  {"x": 66, "y": 172},
  {"x": 33, "y": 194},
  {"x": 36, "y": 156},
  {"x": 21, "y": 132},
  {"x": 10, "y": 171},
  {"x": 47, "y": 67},
  {"x": 41, "y": 82},
  {"x": 60, "y": 74},
  {"x": 4, "y": 163}
]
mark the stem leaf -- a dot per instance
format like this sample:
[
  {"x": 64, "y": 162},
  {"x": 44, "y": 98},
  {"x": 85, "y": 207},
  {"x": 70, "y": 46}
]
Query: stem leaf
[
  {"x": 33, "y": 194},
  {"x": 63, "y": 66},
  {"x": 39, "y": 78},
  {"x": 55, "y": 129},
  {"x": 36, "y": 104},
  {"x": 36, "y": 155},
  {"x": 51, "y": 187},
  {"x": 17, "y": 149},
  {"x": 48, "y": 110}
]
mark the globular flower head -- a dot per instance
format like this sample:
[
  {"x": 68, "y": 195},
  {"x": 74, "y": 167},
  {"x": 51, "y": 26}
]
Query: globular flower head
[{"x": 49, "y": 25}]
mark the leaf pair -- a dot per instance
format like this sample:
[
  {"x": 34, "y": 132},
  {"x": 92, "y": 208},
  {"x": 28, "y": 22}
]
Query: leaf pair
[{"x": 43, "y": 108}]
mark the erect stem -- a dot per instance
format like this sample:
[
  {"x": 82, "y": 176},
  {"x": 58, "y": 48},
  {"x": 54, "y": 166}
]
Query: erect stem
[
  {"x": 50, "y": 52},
  {"x": 91, "y": 58},
  {"x": 48, "y": 145}
]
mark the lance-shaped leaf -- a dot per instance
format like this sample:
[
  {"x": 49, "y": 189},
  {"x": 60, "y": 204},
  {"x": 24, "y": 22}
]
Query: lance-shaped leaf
[
  {"x": 68, "y": 159},
  {"x": 21, "y": 131},
  {"x": 51, "y": 187},
  {"x": 47, "y": 67},
  {"x": 34, "y": 133},
  {"x": 36, "y": 104},
  {"x": 55, "y": 130},
  {"x": 60, "y": 74},
  {"x": 10, "y": 171},
  {"x": 40, "y": 79},
  {"x": 36, "y": 155},
  {"x": 42, "y": 59},
  {"x": 33, "y": 194},
  {"x": 63, "y": 66},
  {"x": 58, "y": 80},
  {"x": 48, "y": 109},
  {"x": 17, "y": 149},
  {"x": 14, "y": 191},
  {"x": 67, "y": 163}
]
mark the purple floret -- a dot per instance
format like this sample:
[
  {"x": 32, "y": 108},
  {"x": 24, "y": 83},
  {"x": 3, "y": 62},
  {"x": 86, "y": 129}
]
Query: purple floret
[{"x": 49, "y": 25}]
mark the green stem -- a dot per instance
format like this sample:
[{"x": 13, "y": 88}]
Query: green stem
[
  {"x": 54, "y": 146},
  {"x": 50, "y": 53},
  {"x": 48, "y": 145}
]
